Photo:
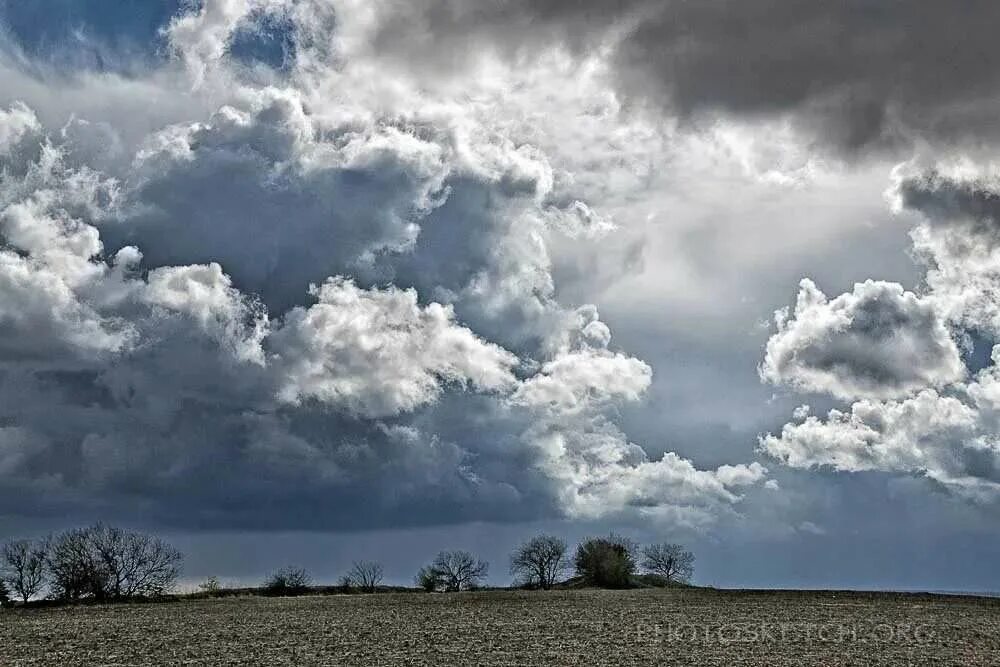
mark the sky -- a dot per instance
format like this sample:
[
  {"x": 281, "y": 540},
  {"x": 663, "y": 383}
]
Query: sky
[{"x": 306, "y": 281}]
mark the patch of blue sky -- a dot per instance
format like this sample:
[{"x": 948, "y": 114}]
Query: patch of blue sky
[{"x": 124, "y": 35}]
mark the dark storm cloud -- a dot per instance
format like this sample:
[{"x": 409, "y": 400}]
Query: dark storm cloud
[
  {"x": 200, "y": 190},
  {"x": 855, "y": 73},
  {"x": 207, "y": 466},
  {"x": 950, "y": 199}
]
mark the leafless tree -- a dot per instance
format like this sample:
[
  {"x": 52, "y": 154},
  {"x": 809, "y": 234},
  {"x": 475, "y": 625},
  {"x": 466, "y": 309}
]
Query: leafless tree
[
  {"x": 288, "y": 581},
  {"x": 671, "y": 561},
  {"x": 134, "y": 564},
  {"x": 539, "y": 562},
  {"x": 24, "y": 567},
  {"x": 366, "y": 575},
  {"x": 73, "y": 567},
  {"x": 453, "y": 571},
  {"x": 105, "y": 562}
]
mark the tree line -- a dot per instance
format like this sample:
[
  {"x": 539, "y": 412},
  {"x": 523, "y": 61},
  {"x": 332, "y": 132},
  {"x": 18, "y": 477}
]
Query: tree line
[
  {"x": 106, "y": 563},
  {"x": 542, "y": 562},
  {"x": 99, "y": 562}
]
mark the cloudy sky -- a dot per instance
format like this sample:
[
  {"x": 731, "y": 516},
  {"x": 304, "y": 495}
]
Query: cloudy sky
[{"x": 311, "y": 280}]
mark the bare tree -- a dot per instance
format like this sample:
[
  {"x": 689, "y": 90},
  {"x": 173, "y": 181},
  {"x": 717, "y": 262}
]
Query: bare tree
[
  {"x": 288, "y": 581},
  {"x": 24, "y": 567},
  {"x": 366, "y": 575},
  {"x": 134, "y": 564},
  {"x": 104, "y": 562},
  {"x": 4, "y": 595},
  {"x": 453, "y": 571},
  {"x": 671, "y": 561},
  {"x": 73, "y": 568},
  {"x": 539, "y": 562}
]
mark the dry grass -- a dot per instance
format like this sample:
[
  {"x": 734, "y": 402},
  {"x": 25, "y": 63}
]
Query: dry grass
[{"x": 642, "y": 627}]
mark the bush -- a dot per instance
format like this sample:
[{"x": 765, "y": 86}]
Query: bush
[
  {"x": 426, "y": 579},
  {"x": 4, "y": 595},
  {"x": 211, "y": 586},
  {"x": 288, "y": 581},
  {"x": 607, "y": 562},
  {"x": 345, "y": 584}
]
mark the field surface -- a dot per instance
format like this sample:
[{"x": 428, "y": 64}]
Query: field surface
[{"x": 644, "y": 627}]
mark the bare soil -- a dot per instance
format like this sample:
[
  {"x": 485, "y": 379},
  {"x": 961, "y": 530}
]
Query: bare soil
[{"x": 579, "y": 627}]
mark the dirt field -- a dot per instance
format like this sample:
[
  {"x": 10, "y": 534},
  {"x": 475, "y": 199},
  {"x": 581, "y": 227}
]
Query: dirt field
[{"x": 509, "y": 628}]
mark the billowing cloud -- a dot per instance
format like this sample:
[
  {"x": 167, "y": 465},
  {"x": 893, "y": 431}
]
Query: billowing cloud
[
  {"x": 300, "y": 290},
  {"x": 958, "y": 237},
  {"x": 875, "y": 342},
  {"x": 596, "y": 470},
  {"x": 19, "y": 130},
  {"x": 574, "y": 380},
  {"x": 206, "y": 295},
  {"x": 317, "y": 199},
  {"x": 948, "y": 439},
  {"x": 51, "y": 287},
  {"x": 377, "y": 352},
  {"x": 918, "y": 414}
]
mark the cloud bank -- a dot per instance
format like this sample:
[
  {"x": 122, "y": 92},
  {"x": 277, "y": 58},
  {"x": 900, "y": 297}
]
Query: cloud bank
[{"x": 302, "y": 288}]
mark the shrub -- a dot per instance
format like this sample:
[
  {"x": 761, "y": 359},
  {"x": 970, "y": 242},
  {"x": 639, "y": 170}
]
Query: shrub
[
  {"x": 426, "y": 579},
  {"x": 345, "y": 584},
  {"x": 608, "y": 562},
  {"x": 212, "y": 585}
]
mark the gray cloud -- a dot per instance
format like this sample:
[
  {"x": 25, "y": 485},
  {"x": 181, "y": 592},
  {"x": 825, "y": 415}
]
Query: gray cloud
[
  {"x": 953, "y": 195},
  {"x": 853, "y": 74},
  {"x": 315, "y": 199}
]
